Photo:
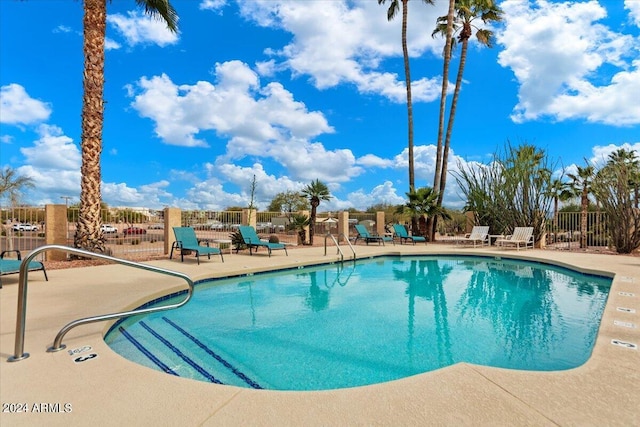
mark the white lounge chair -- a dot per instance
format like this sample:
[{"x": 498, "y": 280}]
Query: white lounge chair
[
  {"x": 522, "y": 237},
  {"x": 479, "y": 236}
]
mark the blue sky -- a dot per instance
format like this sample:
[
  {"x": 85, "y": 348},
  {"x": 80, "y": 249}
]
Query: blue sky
[{"x": 292, "y": 91}]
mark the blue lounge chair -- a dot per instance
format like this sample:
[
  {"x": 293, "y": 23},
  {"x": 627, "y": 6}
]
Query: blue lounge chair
[
  {"x": 252, "y": 240},
  {"x": 363, "y": 234},
  {"x": 186, "y": 240},
  {"x": 401, "y": 233},
  {"x": 12, "y": 266}
]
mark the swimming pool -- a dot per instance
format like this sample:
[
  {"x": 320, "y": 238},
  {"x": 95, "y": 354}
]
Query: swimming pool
[{"x": 337, "y": 326}]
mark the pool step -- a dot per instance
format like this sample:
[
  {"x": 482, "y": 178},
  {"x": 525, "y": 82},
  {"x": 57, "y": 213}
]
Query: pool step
[{"x": 188, "y": 356}]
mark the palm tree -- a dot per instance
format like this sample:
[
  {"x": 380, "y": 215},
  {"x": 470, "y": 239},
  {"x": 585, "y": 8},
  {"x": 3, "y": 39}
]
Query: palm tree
[
  {"x": 630, "y": 160},
  {"x": 88, "y": 234},
  {"x": 316, "y": 192},
  {"x": 422, "y": 204},
  {"x": 581, "y": 185},
  {"x": 559, "y": 191},
  {"x": 391, "y": 13},
  {"x": 11, "y": 183},
  {"x": 443, "y": 94},
  {"x": 466, "y": 11}
]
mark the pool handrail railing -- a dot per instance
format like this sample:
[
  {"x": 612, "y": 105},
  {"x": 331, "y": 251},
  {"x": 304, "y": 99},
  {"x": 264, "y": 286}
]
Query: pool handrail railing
[
  {"x": 19, "y": 353},
  {"x": 346, "y": 239}
]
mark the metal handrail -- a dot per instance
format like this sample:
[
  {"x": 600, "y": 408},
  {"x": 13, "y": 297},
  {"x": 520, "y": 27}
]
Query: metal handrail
[
  {"x": 19, "y": 353},
  {"x": 338, "y": 245}
]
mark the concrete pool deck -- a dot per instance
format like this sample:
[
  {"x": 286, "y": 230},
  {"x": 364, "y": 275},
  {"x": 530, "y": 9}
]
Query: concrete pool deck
[{"x": 110, "y": 390}]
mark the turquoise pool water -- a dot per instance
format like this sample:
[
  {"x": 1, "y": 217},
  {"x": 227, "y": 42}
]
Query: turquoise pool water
[{"x": 337, "y": 326}]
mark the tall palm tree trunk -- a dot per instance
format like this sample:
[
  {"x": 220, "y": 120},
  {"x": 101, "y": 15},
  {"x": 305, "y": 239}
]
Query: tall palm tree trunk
[
  {"x": 443, "y": 107},
  {"x": 584, "y": 202},
  {"x": 452, "y": 116},
  {"x": 88, "y": 235},
  {"x": 407, "y": 77},
  {"x": 443, "y": 94}
]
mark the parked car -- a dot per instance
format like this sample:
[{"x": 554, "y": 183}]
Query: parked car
[
  {"x": 156, "y": 227},
  {"x": 134, "y": 230},
  {"x": 25, "y": 227},
  {"x": 108, "y": 228}
]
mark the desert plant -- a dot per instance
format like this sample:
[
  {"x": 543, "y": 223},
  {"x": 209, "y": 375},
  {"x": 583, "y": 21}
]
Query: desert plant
[
  {"x": 237, "y": 240},
  {"x": 274, "y": 239},
  {"x": 299, "y": 222}
]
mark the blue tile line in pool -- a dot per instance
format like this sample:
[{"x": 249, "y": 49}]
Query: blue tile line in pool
[
  {"x": 213, "y": 354},
  {"x": 146, "y": 352},
  {"x": 181, "y": 355}
]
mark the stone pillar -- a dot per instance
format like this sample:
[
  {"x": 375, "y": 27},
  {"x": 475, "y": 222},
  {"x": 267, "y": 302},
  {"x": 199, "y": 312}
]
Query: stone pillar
[
  {"x": 380, "y": 223},
  {"x": 249, "y": 217},
  {"x": 343, "y": 225},
  {"x": 55, "y": 232},
  {"x": 172, "y": 218}
]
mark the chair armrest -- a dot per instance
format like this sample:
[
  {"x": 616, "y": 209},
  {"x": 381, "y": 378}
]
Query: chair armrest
[{"x": 18, "y": 254}]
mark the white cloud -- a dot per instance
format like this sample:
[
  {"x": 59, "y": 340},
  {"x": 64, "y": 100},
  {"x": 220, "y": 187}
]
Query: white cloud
[
  {"x": 560, "y": 56},
  {"x": 19, "y": 108},
  {"x": 53, "y": 163},
  {"x": 600, "y": 153},
  {"x": 62, "y": 29},
  {"x": 345, "y": 42},
  {"x": 634, "y": 10},
  {"x": 236, "y": 107},
  {"x": 139, "y": 28},
  {"x": 213, "y": 5},
  {"x": 110, "y": 44},
  {"x": 370, "y": 160},
  {"x": 259, "y": 121},
  {"x": 383, "y": 193}
]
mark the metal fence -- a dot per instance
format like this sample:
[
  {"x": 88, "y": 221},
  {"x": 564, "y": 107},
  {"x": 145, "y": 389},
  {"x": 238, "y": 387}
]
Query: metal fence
[
  {"x": 134, "y": 235},
  {"x": 564, "y": 231}
]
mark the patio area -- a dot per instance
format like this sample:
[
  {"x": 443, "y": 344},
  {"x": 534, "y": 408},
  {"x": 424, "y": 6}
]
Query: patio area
[{"x": 110, "y": 390}]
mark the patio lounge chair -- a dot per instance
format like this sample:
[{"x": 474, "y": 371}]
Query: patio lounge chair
[
  {"x": 186, "y": 240},
  {"x": 402, "y": 234},
  {"x": 479, "y": 236},
  {"x": 522, "y": 237},
  {"x": 12, "y": 266},
  {"x": 364, "y": 234},
  {"x": 252, "y": 240}
]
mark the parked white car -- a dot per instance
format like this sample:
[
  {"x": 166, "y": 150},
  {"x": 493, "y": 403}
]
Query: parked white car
[
  {"x": 108, "y": 228},
  {"x": 25, "y": 227}
]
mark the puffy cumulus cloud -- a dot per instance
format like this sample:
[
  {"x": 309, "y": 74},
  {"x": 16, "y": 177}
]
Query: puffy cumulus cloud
[
  {"x": 19, "y": 108},
  {"x": 384, "y": 193},
  {"x": 53, "y": 150},
  {"x": 267, "y": 186},
  {"x": 237, "y": 107},
  {"x": 152, "y": 195},
  {"x": 53, "y": 164},
  {"x": 110, "y": 44},
  {"x": 371, "y": 160},
  {"x": 139, "y": 28},
  {"x": 561, "y": 56},
  {"x": 346, "y": 42},
  {"x": 308, "y": 161},
  {"x": 600, "y": 153},
  {"x": 213, "y": 5},
  {"x": 633, "y": 6}
]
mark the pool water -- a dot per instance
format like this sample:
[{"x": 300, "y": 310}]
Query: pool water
[{"x": 377, "y": 320}]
